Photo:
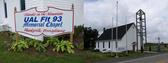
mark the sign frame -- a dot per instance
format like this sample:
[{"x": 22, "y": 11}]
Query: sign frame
[{"x": 43, "y": 34}]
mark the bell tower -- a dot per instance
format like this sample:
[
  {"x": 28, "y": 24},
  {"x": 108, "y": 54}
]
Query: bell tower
[{"x": 141, "y": 29}]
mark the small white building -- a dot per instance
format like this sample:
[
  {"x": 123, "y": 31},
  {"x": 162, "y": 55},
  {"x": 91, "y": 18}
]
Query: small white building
[{"x": 126, "y": 39}]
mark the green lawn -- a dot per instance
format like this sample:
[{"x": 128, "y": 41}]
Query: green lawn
[
  {"x": 14, "y": 57},
  {"x": 154, "y": 47},
  {"x": 79, "y": 57},
  {"x": 6, "y": 57},
  {"x": 24, "y": 57}
]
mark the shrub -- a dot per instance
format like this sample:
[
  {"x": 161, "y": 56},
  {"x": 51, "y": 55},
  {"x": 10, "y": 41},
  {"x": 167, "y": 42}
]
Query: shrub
[
  {"x": 52, "y": 41},
  {"x": 60, "y": 45},
  {"x": 39, "y": 46},
  {"x": 96, "y": 50},
  {"x": 19, "y": 46},
  {"x": 64, "y": 46}
]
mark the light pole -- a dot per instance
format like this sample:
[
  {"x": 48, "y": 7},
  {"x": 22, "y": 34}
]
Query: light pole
[{"x": 158, "y": 44}]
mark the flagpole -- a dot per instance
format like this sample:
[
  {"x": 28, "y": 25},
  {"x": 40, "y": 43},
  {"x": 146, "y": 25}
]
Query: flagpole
[
  {"x": 116, "y": 29},
  {"x": 126, "y": 34},
  {"x": 112, "y": 34}
]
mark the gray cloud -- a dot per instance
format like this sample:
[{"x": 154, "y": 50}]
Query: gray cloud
[{"x": 99, "y": 13}]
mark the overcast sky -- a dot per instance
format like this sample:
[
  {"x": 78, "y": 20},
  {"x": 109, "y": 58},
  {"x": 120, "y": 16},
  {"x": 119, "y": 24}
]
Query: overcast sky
[{"x": 99, "y": 13}]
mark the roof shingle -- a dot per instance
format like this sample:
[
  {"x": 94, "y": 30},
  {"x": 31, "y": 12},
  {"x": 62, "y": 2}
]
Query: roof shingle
[{"x": 106, "y": 35}]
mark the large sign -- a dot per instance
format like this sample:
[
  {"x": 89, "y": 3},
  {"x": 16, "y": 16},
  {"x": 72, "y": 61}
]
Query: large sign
[{"x": 53, "y": 21}]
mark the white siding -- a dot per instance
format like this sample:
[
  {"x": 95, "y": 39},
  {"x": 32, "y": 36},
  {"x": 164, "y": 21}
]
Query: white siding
[
  {"x": 106, "y": 45},
  {"x": 2, "y": 13},
  {"x": 122, "y": 44},
  {"x": 11, "y": 4},
  {"x": 131, "y": 37}
]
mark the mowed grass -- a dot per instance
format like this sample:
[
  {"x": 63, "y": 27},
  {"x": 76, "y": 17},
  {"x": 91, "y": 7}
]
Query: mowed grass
[
  {"x": 13, "y": 57},
  {"x": 83, "y": 56},
  {"x": 24, "y": 57},
  {"x": 6, "y": 57},
  {"x": 80, "y": 56},
  {"x": 154, "y": 47}
]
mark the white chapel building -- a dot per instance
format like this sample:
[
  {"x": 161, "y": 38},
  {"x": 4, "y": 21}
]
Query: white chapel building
[{"x": 126, "y": 39}]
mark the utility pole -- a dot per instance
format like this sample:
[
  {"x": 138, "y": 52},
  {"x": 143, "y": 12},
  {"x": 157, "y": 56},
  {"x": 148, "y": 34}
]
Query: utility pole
[
  {"x": 158, "y": 44},
  {"x": 116, "y": 29}
]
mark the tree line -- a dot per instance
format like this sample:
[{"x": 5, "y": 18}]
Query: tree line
[{"x": 85, "y": 37}]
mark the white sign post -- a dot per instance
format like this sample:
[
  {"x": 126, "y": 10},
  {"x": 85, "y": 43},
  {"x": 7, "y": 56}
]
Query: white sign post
[{"x": 54, "y": 21}]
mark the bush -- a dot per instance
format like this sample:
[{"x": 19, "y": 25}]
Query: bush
[
  {"x": 52, "y": 41},
  {"x": 122, "y": 54},
  {"x": 60, "y": 46},
  {"x": 96, "y": 50},
  {"x": 38, "y": 45},
  {"x": 19, "y": 46}
]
